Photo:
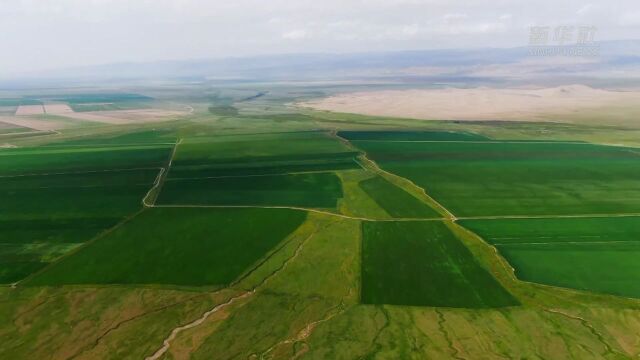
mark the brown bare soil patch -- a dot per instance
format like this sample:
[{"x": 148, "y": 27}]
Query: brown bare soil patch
[
  {"x": 58, "y": 109},
  {"x": 36, "y": 124},
  {"x": 119, "y": 117},
  {"x": 26, "y": 110}
]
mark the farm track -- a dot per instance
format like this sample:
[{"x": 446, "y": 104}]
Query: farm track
[
  {"x": 296, "y": 208},
  {"x": 174, "y": 333},
  {"x": 162, "y": 175}
]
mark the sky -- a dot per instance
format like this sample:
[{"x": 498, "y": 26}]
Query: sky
[{"x": 47, "y": 34}]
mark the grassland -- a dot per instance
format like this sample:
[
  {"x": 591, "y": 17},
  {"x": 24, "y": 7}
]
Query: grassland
[
  {"x": 596, "y": 254},
  {"x": 395, "y": 201},
  {"x": 423, "y": 264}
]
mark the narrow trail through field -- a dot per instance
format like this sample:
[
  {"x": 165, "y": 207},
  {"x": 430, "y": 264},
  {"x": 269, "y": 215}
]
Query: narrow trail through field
[
  {"x": 317, "y": 211},
  {"x": 174, "y": 333},
  {"x": 162, "y": 175}
]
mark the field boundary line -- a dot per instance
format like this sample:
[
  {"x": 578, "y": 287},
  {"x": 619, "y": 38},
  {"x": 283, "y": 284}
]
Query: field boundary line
[
  {"x": 570, "y": 216},
  {"x": 570, "y": 243},
  {"x": 106, "y": 145},
  {"x": 78, "y": 172},
  {"x": 480, "y": 142},
  {"x": 293, "y": 208},
  {"x": 160, "y": 179},
  {"x": 252, "y": 175}
]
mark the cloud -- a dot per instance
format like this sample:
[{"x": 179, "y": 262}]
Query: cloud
[{"x": 295, "y": 34}]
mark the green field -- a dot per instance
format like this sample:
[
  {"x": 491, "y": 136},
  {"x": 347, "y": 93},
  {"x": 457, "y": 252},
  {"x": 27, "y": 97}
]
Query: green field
[
  {"x": 596, "y": 254},
  {"x": 416, "y": 135},
  {"x": 52, "y": 159},
  {"x": 424, "y": 264},
  {"x": 320, "y": 190},
  {"x": 227, "y": 147},
  {"x": 104, "y": 101},
  {"x": 54, "y": 198},
  {"x": 395, "y": 201},
  {"x": 514, "y": 178},
  {"x": 187, "y": 246}
]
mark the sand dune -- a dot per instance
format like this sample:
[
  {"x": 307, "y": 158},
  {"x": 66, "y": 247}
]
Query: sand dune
[{"x": 474, "y": 104}]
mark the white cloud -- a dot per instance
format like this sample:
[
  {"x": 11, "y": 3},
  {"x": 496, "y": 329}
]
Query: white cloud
[{"x": 295, "y": 34}]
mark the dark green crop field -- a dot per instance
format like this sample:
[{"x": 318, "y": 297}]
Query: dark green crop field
[
  {"x": 125, "y": 138},
  {"x": 411, "y": 135},
  {"x": 281, "y": 164},
  {"x": 597, "y": 254},
  {"x": 42, "y": 217},
  {"x": 395, "y": 201},
  {"x": 78, "y": 193},
  {"x": 215, "y": 149},
  {"x": 70, "y": 158},
  {"x": 321, "y": 190},
  {"x": 424, "y": 264},
  {"x": 186, "y": 246},
  {"x": 513, "y": 178}
]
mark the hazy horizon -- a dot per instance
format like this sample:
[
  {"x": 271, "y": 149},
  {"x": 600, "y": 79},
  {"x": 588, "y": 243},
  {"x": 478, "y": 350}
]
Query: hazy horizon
[{"x": 69, "y": 33}]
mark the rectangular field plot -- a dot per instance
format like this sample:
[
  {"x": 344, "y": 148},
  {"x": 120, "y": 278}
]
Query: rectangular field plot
[
  {"x": 58, "y": 159},
  {"x": 220, "y": 148},
  {"x": 411, "y": 135},
  {"x": 265, "y": 165},
  {"x": 394, "y": 200},
  {"x": 185, "y": 246},
  {"x": 257, "y": 154},
  {"x": 321, "y": 190},
  {"x": 424, "y": 264},
  {"x": 595, "y": 254},
  {"x": 511, "y": 178},
  {"x": 54, "y": 198}
]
